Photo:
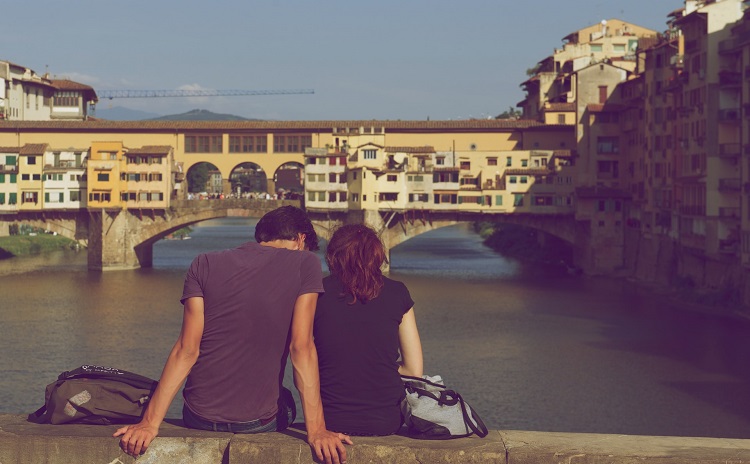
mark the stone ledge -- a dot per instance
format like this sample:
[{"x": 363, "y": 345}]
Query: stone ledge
[{"x": 23, "y": 442}]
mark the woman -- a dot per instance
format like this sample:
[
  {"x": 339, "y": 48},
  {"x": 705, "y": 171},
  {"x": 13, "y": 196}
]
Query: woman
[{"x": 362, "y": 323}]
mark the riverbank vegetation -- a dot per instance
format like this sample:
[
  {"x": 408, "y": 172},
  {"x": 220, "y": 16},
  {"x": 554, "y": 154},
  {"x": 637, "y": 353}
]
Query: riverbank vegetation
[
  {"x": 19, "y": 245},
  {"x": 523, "y": 244}
]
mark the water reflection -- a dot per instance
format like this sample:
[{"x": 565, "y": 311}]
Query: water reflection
[{"x": 530, "y": 348}]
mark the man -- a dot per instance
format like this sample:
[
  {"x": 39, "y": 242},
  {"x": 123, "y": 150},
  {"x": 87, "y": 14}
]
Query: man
[{"x": 238, "y": 308}]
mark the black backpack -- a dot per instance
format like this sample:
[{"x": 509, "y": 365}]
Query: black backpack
[{"x": 95, "y": 395}]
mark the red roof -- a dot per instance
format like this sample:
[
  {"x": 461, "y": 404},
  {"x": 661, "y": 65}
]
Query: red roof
[
  {"x": 150, "y": 150},
  {"x": 425, "y": 149},
  {"x": 33, "y": 149}
]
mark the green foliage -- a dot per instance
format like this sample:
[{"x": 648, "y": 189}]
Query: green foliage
[
  {"x": 522, "y": 244},
  {"x": 197, "y": 177},
  {"x": 19, "y": 245}
]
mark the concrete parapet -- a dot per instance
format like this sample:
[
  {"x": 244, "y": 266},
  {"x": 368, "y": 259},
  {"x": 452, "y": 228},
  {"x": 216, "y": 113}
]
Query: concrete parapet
[{"x": 23, "y": 442}]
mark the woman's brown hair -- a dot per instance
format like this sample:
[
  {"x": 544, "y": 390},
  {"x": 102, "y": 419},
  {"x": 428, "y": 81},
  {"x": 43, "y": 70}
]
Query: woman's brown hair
[{"x": 355, "y": 255}]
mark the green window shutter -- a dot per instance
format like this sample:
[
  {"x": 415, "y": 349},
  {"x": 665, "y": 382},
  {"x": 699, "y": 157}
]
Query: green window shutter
[
  {"x": 2, "y": 198},
  {"x": 13, "y": 178},
  {"x": 12, "y": 198},
  {"x": 46, "y": 197},
  {"x": 10, "y": 160},
  {"x": 498, "y": 200},
  {"x": 61, "y": 197},
  {"x": 2, "y": 178}
]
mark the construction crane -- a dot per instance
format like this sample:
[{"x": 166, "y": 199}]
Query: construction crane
[{"x": 112, "y": 94}]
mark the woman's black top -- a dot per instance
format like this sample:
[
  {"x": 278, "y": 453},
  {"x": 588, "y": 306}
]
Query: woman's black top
[{"x": 358, "y": 351}]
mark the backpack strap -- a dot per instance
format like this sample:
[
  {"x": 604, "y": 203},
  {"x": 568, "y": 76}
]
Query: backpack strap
[
  {"x": 480, "y": 429},
  {"x": 40, "y": 416}
]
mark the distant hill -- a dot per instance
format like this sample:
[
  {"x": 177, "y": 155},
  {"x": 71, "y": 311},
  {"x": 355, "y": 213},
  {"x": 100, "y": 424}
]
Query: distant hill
[
  {"x": 201, "y": 115},
  {"x": 119, "y": 113}
]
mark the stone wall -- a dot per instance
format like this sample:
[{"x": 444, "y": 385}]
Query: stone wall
[{"x": 23, "y": 442}]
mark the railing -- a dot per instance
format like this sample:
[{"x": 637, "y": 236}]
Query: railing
[
  {"x": 729, "y": 185},
  {"x": 729, "y": 212},
  {"x": 729, "y": 115},
  {"x": 729, "y": 149}
]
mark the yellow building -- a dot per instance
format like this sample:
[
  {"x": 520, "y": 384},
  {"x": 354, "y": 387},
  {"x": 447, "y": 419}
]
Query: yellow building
[{"x": 105, "y": 186}]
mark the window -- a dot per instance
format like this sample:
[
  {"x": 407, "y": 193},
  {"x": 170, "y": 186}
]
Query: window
[
  {"x": 499, "y": 200},
  {"x": 421, "y": 197},
  {"x": 508, "y": 161},
  {"x": 291, "y": 143},
  {"x": 596, "y": 48},
  {"x": 440, "y": 161},
  {"x": 619, "y": 48},
  {"x": 513, "y": 179},
  {"x": 342, "y": 178},
  {"x": 370, "y": 154},
  {"x": 332, "y": 177},
  {"x": 2, "y": 178},
  {"x": 310, "y": 196},
  {"x": 13, "y": 178},
  {"x": 25, "y": 177},
  {"x": 491, "y": 161},
  {"x": 524, "y": 163},
  {"x": 331, "y": 197},
  {"x": 355, "y": 197},
  {"x": 465, "y": 165},
  {"x": 248, "y": 143},
  {"x": 524, "y": 180},
  {"x": 416, "y": 178},
  {"x": 518, "y": 199},
  {"x": 342, "y": 196},
  {"x": 448, "y": 198},
  {"x": 31, "y": 160},
  {"x": 388, "y": 196},
  {"x": 561, "y": 119},
  {"x": 203, "y": 144},
  {"x": 392, "y": 178},
  {"x": 30, "y": 197},
  {"x": 608, "y": 145},
  {"x": 354, "y": 175},
  {"x": 2, "y": 198},
  {"x": 102, "y": 177},
  {"x": 68, "y": 99},
  {"x": 321, "y": 196},
  {"x": 75, "y": 195},
  {"x": 12, "y": 198}
]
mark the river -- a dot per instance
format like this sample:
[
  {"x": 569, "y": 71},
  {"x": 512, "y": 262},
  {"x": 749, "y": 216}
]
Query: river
[{"x": 528, "y": 348}]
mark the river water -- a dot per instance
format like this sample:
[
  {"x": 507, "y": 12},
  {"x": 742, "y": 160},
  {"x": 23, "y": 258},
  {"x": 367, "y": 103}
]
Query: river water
[{"x": 528, "y": 348}]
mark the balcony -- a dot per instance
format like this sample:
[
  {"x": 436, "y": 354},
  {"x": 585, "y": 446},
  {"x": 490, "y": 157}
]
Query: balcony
[
  {"x": 730, "y": 115},
  {"x": 729, "y": 213},
  {"x": 728, "y": 150},
  {"x": 728, "y": 45},
  {"x": 729, "y": 185},
  {"x": 730, "y": 78}
]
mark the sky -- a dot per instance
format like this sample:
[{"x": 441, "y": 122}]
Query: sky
[{"x": 384, "y": 59}]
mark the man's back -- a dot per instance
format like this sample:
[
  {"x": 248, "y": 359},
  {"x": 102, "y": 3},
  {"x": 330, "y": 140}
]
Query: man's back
[{"x": 249, "y": 294}]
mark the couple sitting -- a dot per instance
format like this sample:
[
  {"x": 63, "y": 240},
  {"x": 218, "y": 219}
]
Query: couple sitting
[{"x": 247, "y": 308}]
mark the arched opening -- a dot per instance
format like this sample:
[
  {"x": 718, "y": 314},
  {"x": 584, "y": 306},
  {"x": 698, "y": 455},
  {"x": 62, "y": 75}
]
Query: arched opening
[
  {"x": 247, "y": 179},
  {"x": 204, "y": 178},
  {"x": 289, "y": 181}
]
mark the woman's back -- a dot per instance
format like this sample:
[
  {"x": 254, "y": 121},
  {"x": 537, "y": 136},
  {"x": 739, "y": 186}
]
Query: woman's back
[{"x": 358, "y": 352}]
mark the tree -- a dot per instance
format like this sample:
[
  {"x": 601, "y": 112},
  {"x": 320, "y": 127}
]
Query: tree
[
  {"x": 197, "y": 177},
  {"x": 511, "y": 113}
]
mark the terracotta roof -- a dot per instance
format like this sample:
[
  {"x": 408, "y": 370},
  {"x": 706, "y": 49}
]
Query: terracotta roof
[
  {"x": 33, "y": 149},
  {"x": 9, "y": 149},
  {"x": 150, "y": 150},
  {"x": 66, "y": 84},
  {"x": 319, "y": 126},
  {"x": 601, "y": 108},
  {"x": 561, "y": 106},
  {"x": 647, "y": 42},
  {"x": 425, "y": 149}
]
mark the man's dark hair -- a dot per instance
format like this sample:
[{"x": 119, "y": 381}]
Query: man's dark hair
[{"x": 284, "y": 224}]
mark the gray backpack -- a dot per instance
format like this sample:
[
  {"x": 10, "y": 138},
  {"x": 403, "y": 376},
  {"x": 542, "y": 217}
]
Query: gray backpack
[
  {"x": 432, "y": 411},
  {"x": 95, "y": 395}
]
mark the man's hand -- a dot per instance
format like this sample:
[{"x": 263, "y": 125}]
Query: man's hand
[
  {"x": 329, "y": 446},
  {"x": 136, "y": 438}
]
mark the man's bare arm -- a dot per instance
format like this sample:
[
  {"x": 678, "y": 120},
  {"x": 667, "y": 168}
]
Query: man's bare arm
[{"x": 136, "y": 438}]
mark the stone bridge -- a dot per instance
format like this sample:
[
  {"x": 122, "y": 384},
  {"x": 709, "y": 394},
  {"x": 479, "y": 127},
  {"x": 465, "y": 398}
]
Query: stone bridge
[
  {"x": 123, "y": 239},
  {"x": 397, "y": 227}
]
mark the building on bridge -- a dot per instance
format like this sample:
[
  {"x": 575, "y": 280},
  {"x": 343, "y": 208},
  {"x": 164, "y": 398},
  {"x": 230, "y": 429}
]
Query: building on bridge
[{"x": 27, "y": 96}]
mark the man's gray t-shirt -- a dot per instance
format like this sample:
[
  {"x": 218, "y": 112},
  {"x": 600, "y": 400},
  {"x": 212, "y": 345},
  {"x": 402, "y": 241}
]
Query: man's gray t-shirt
[{"x": 249, "y": 294}]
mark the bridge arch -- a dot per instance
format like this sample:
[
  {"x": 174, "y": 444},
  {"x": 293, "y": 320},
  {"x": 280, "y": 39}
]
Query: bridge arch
[
  {"x": 248, "y": 177},
  {"x": 290, "y": 178},
  {"x": 204, "y": 177}
]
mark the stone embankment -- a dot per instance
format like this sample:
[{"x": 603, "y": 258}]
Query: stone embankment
[{"x": 23, "y": 442}]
